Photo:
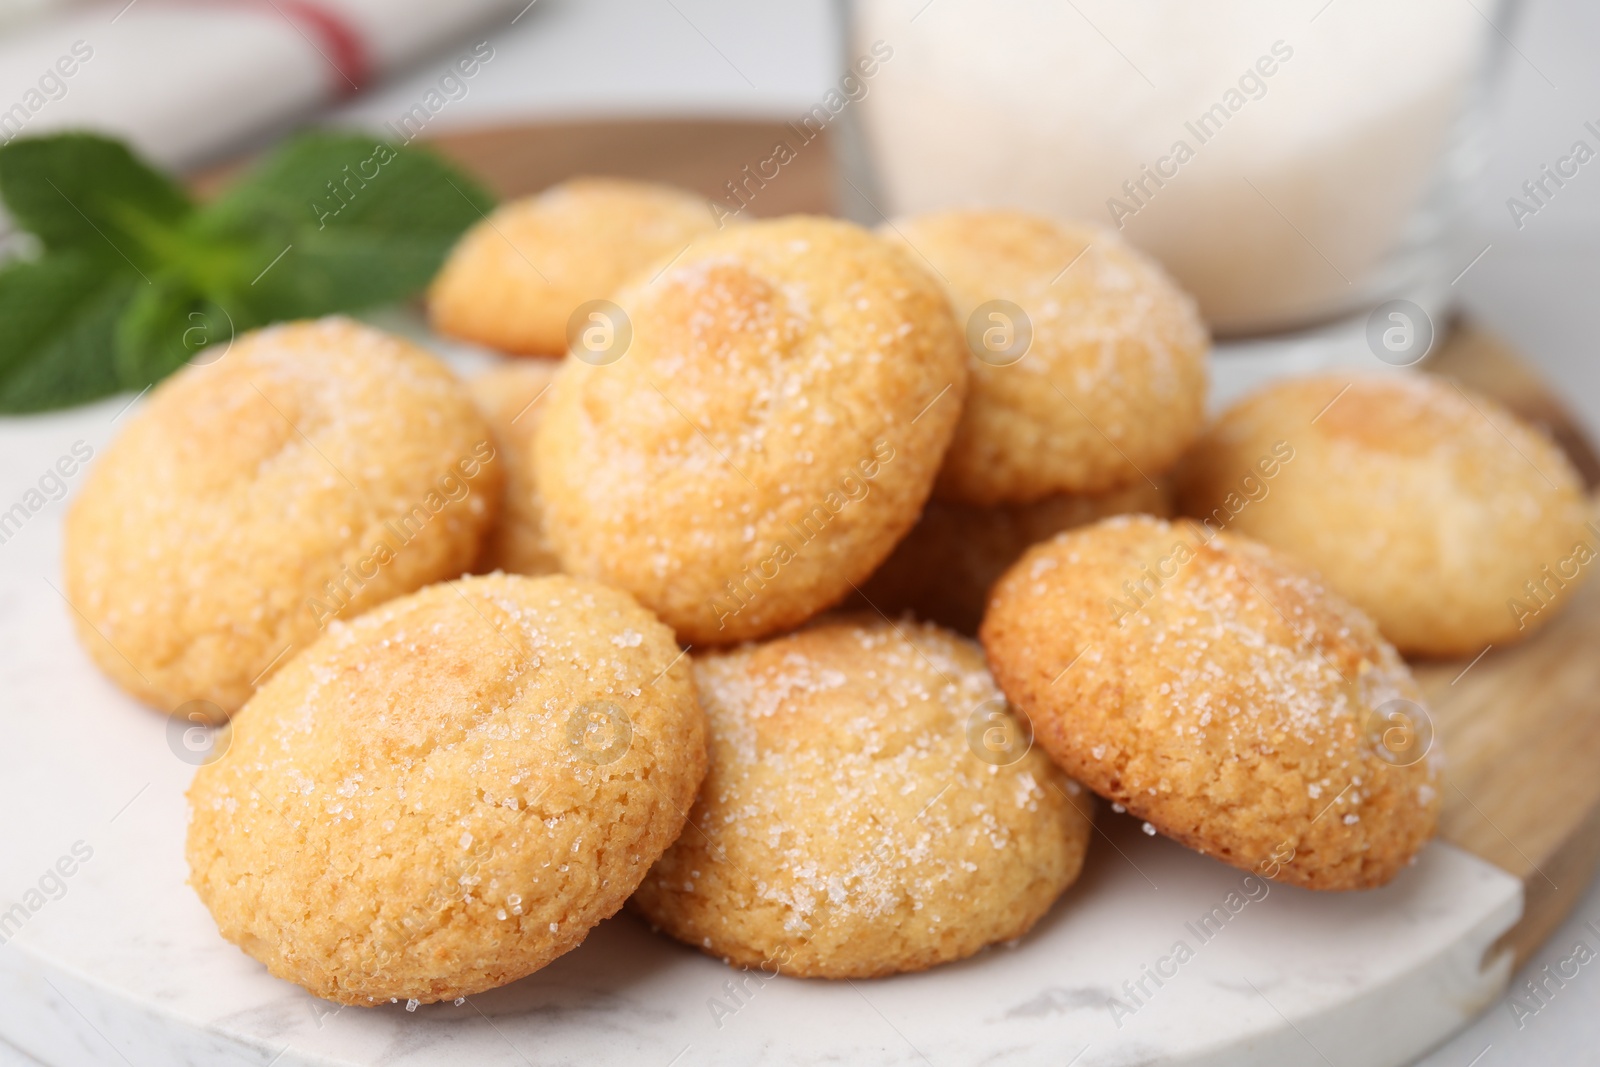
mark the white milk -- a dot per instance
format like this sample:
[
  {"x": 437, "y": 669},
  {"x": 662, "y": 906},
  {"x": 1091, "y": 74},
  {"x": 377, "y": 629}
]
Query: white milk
[{"x": 1287, "y": 160}]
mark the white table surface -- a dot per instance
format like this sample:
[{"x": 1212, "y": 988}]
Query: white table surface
[{"x": 1536, "y": 286}]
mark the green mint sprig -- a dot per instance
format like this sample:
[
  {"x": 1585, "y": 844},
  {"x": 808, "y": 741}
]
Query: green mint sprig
[{"x": 133, "y": 278}]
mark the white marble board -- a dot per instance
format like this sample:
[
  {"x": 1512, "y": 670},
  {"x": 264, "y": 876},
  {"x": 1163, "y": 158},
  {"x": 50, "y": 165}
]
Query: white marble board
[{"x": 120, "y": 963}]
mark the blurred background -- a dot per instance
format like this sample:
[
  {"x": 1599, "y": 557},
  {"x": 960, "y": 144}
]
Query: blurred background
[{"x": 194, "y": 85}]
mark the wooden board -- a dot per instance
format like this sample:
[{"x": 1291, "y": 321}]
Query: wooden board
[
  {"x": 1521, "y": 726},
  {"x": 703, "y": 156}
]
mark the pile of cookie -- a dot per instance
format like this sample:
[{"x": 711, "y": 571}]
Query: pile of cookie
[{"x": 685, "y": 616}]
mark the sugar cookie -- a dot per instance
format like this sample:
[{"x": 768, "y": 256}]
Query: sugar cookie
[
  {"x": 511, "y": 397},
  {"x": 1221, "y": 692},
  {"x": 1088, "y": 363},
  {"x": 315, "y": 470},
  {"x": 450, "y": 791},
  {"x": 1452, "y": 522},
  {"x": 856, "y": 820},
  {"x": 771, "y": 432},
  {"x": 514, "y": 280},
  {"x": 952, "y": 557}
]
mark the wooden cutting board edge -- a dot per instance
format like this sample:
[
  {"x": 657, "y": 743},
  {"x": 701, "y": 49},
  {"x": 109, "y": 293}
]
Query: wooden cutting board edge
[{"x": 1521, "y": 726}]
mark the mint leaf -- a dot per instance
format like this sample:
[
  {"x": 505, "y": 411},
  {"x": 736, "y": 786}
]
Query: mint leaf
[
  {"x": 364, "y": 222},
  {"x": 135, "y": 281},
  {"x": 89, "y": 194},
  {"x": 58, "y": 320},
  {"x": 324, "y": 273},
  {"x": 165, "y": 325}
]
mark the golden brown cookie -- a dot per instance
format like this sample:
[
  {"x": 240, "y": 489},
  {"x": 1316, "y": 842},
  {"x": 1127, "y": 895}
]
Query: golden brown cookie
[
  {"x": 511, "y": 397},
  {"x": 1221, "y": 692},
  {"x": 871, "y": 807},
  {"x": 1088, "y": 363},
  {"x": 315, "y": 470},
  {"x": 449, "y": 792},
  {"x": 1452, "y": 522},
  {"x": 772, "y": 430},
  {"x": 514, "y": 280},
  {"x": 946, "y": 565}
]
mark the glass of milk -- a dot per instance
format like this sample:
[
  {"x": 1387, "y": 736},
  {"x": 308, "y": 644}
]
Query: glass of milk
[{"x": 1297, "y": 165}]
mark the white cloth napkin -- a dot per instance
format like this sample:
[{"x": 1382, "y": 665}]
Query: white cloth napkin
[{"x": 185, "y": 80}]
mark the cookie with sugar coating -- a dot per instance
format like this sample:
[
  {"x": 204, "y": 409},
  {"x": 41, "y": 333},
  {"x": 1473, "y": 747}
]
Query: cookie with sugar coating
[
  {"x": 514, "y": 279},
  {"x": 860, "y": 817},
  {"x": 1110, "y": 390},
  {"x": 773, "y": 429},
  {"x": 511, "y": 397},
  {"x": 1221, "y": 692},
  {"x": 1451, "y": 521},
  {"x": 449, "y": 792},
  {"x": 315, "y": 470},
  {"x": 952, "y": 557}
]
